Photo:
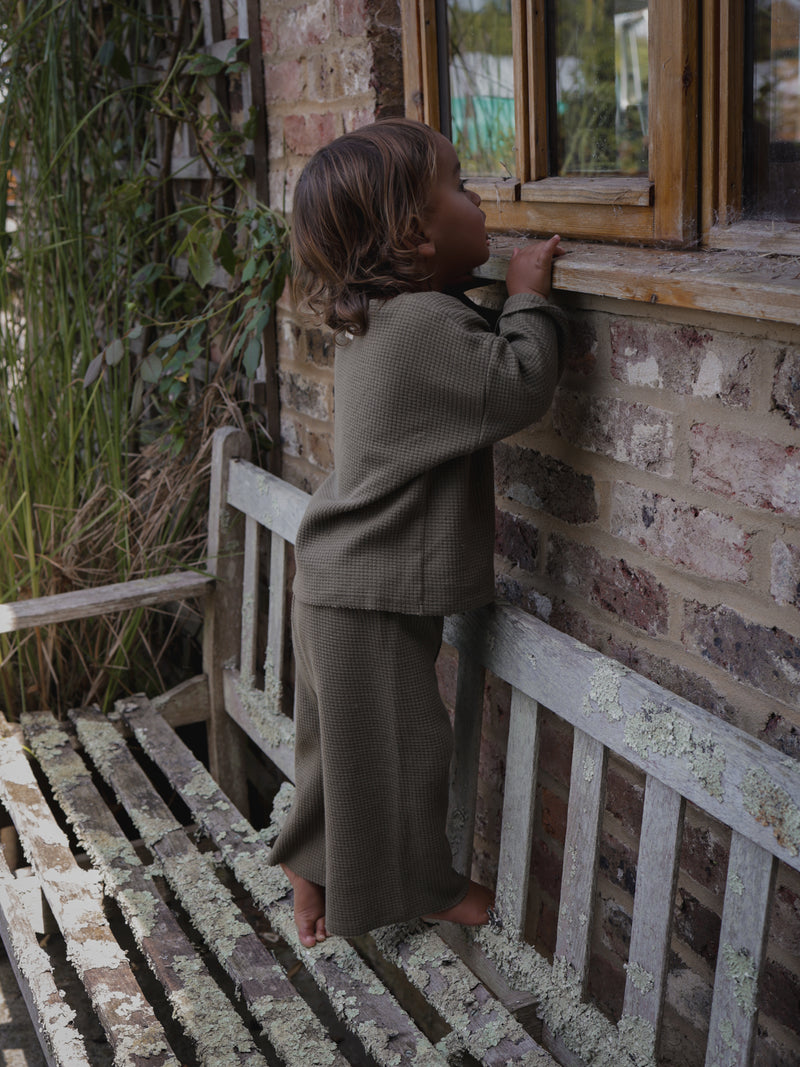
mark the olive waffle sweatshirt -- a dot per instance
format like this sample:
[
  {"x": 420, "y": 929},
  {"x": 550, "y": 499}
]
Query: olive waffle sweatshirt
[{"x": 405, "y": 523}]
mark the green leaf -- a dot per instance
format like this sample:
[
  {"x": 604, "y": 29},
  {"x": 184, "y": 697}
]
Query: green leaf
[
  {"x": 201, "y": 264},
  {"x": 252, "y": 357},
  {"x": 110, "y": 55},
  {"x": 249, "y": 270},
  {"x": 205, "y": 66},
  {"x": 261, "y": 321},
  {"x": 169, "y": 339},
  {"x": 93, "y": 371},
  {"x": 225, "y": 252},
  {"x": 114, "y": 352},
  {"x": 150, "y": 368}
]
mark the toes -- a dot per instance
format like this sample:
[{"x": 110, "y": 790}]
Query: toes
[{"x": 320, "y": 931}]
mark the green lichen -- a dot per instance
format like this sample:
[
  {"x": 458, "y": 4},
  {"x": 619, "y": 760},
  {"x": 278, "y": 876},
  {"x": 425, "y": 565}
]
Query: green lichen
[
  {"x": 739, "y": 967},
  {"x": 263, "y": 708},
  {"x": 642, "y": 980},
  {"x": 656, "y": 728},
  {"x": 603, "y": 695},
  {"x": 589, "y": 768},
  {"x": 772, "y": 806},
  {"x": 735, "y": 884}
]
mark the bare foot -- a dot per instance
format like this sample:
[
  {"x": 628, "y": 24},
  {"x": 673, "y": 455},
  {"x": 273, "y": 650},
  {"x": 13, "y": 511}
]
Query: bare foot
[
  {"x": 309, "y": 908},
  {"x": 472, "y": 910}
]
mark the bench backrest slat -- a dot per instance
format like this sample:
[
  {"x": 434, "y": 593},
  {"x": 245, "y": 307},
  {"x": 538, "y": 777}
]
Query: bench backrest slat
[
  {"x": 276, "y": 628},
  {"x": 656, "y": 875},
  {"x": 250, "y": 579},
  {"x": 519, "y": 800},
  {"x": 581, "y": 850},
  {"x": 745, "y": 915}
]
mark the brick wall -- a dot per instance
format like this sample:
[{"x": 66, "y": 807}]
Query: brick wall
[{"x": 655, "y": 515}]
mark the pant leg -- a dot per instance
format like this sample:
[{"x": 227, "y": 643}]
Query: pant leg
[{"x": 385, "y": 743}]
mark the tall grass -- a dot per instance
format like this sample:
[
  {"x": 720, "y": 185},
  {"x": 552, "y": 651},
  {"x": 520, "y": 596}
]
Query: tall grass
[{"x": 88, "y": 290}]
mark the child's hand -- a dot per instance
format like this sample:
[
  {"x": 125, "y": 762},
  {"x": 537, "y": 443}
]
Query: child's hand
[{"x": 531, "y": 267}]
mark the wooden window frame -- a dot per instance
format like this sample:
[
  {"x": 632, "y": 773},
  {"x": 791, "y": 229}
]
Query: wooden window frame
[{"x": 662, "y": 207}]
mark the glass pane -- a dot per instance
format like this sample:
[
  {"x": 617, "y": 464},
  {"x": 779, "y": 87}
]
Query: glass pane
[
  {"x": 601, "y": 78},
  {"x": 772, "y": 127},
  {"x": 482, "y": 85}
]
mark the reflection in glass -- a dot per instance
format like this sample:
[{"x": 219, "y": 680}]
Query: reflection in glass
[
  {"x": 482, "y": 85},
  {"x": 601, "y": 78},
  {"x": 772, "y": 112}
]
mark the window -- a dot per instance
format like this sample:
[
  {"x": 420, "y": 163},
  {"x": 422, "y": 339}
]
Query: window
[{"x": 654, "y": 123}]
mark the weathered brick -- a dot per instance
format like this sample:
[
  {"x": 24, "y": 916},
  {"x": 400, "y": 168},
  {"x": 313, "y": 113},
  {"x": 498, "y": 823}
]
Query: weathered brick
[
  {"x": 544, "y": 482},
  {"x": 290, "y": 338},
  {"x": 697, "y": 925},
  {"x": 764, "y": 657},
  {"x": 340, "y": 74},
  {"x": 618, "y": 863},
  {"x": 631, "y": 433},
  {"x": 704, "y": 857},
  {"x": 305, "y": 396},
  {"x": 514, "y": 592},
  {"x": 582, "y": 345},
  {"x": 785, "y": 577},
  {"x": 351, "y": 16},
  {"x": 321, "y": 348},
  {"x": 768, "y": 1051},
  {"x": 554, "y": 815},
  {"x": 545, "y": 929},
  {"x": 304, "y": 134},
  {"x": 753, "y": 471},
  {"x": 696, "y": 538},
  {"x": 631, "y": 593},
  {"x": 783, "y": 734},
  {"x": 779, "y": 994},
  {"x": 784, "y": 927},
  {"x": 267, "y": 36},
  {"x": 546, "y": 868},
  {"x": 555, "y": 754},
  {"x": 687, "y": 361},
  {"x": 516, "y": 539},
  {"x": 615, "y": 926},
  {"x": 688, "y": 998},
  {"x": 285, "y": 80},
  {"x": 625, "y": 800},
  {"x": 786, "y": 386},
  {"x": 303, "y": 27},
  {"x": 607, "y": 984}
]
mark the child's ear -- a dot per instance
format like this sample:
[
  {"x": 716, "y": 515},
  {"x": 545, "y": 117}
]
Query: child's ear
[{"x": 426, "y": 248}]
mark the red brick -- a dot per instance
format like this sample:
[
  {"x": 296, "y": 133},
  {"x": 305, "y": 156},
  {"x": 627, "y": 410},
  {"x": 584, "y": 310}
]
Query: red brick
[
  {"x": 779, "y": 995},
  {"x": 340, "y": 74},
  {"x": 304, "y": 26},
  {"x": 607, "y": 985},
  {"x": 516, "y": 592},
  {"x": 687, "y": 361},
  {"x": 783, "y": 734},
  {"x": 704, "y": 857},
  {"x": 696, "y": 538},
  {"x": 286, "y": 80},
  {"x": 546, "y": 868},
  {"x": 768, "y": 1051},
  {"x": 786, "y": 387},
  {"x": 614, "y": 926},
  {"x": 785, "y": 577},
  {"x": 637, "y": 434},
  {"x": 784, "y": 927},
  {"x": 516, "y": 539},
  {"x": 697, "y": 926},
  {"x": 582, "y": 345},
  {"x": 304, "y": 134},
  {"x": 351, "y": 16},
  {"x": 267, "y": 36},
  {"x": 617, "y": 861},
  {"x": 554, "y": 815},
  {"x": 555, "y": 752},
  {"x": 625, "y": 800},
  {"x": 753, "y": 471},
  {"x": 544, "y": 482},
  {"x": 632, "y": 594},
  {"x": 764, "y": 657}
]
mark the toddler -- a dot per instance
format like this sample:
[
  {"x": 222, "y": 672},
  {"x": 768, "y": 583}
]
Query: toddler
[{"x": 385, "y": 237}]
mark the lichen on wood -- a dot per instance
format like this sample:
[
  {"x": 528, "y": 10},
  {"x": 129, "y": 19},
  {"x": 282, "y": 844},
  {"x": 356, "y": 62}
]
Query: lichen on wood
[
  {"x": 772, "y": 806},
  {"x": 657, "y": 728}
]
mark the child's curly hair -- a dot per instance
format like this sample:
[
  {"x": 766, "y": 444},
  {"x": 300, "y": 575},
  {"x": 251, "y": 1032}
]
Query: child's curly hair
[{"x": 357, "y": 220}]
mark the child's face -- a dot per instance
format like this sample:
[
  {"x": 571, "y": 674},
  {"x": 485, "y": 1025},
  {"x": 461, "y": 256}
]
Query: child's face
[{"x": 455, "y": 227}]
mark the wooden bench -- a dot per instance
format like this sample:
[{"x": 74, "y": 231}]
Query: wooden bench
[{"x": 151, "y": 830}]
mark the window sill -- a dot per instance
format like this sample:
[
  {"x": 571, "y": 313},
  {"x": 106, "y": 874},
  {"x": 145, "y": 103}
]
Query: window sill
[{"x": 756, "y": 285}]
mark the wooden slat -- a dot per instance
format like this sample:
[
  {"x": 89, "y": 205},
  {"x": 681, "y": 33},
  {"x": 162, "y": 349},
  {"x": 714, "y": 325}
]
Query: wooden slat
[
  {"x": 519, "y": 797},
  {"x": 634, "y": 192},
  {"x": 290, "y": 1026},
  {"x": 733, "y": 776},
  {"x": 272, "y": 502},
  {"x": 356, "y": 995},
  {"x": 259, "y": 716},
  {"x": 250, "y": 578},
  {"x": 103, "y": 600},
  {"x": 62, "y": 1045},
  {"x": 745, "y": 915},
  {"x": 656, "y": 874},
  {"x": 581, "y": 848},
  {"x": 484, "y": 1027},
  {"x": 75, "y": 898},
  {"x": 185, "y": 703},
  {"x": 194, "y": 996},
  {"x": 223, "y": 616},
  {"x": 276, "y": 615},
  {"x": 464, "y": 764}
]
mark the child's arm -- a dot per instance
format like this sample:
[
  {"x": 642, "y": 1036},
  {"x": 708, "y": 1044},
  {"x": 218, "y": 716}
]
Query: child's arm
[{"x": 530, "y": 269}]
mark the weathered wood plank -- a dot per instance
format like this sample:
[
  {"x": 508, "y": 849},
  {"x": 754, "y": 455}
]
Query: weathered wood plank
[
  {"x": 581, "y": 849},
  {"x": 257, "y": 712},
  {"x": 194, "y": 996},
  {"x": 103, "y": 600},
  {"x": 62, "y": 1045},
  {"x": 519, "y": 798},
  {"x": 186, "y": 703},
  {"x": 250, "y": 577},
  {"x": 276, "y": 618},
  {"x": 223, "y": 615},
  {"x": 355, "y": 993},
  {"x": 464, "y": 763},
  {"x": 656, "y": 874},
  {"x": 733, "y": 776},
  {"x": 745, "y": 916},
  {"x": 290, "y": 1026},
  {"x": 75, "y": 898},
  {"x": 269, "y": 500}
]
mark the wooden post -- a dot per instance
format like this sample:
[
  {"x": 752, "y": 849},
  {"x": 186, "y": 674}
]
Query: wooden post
[{"x": 223, "y": 616}]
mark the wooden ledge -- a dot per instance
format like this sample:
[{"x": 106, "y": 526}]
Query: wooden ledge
[{"x": 751, "y": 284}]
